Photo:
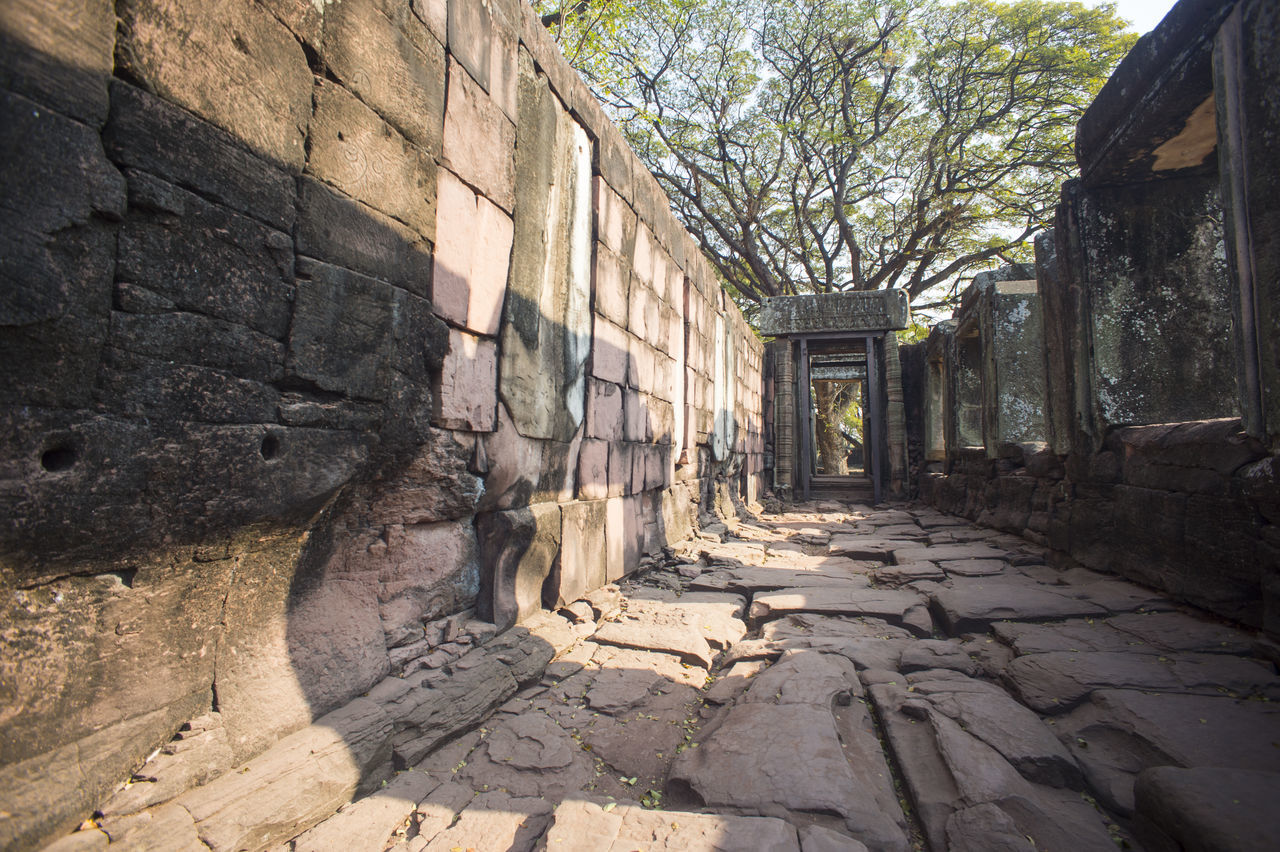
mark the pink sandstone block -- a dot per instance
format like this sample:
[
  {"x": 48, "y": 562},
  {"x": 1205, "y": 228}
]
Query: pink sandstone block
[
  {"x": 610, "y": 285},
  {"x": 612, "y": 216},
  {"x": 638, "y": 304},
  {"x": 473, "y": 250},
  {"x": 593, "y": 470},
  {"x": 468, "y": 394},
  {"x": 615, "y": 531},
  {"x": 455, "y": 228},
  {"x": 604, "y": 410},
  {"x": 494, "y": 233},
  {"x": 639, "y": 467},
  {"x": 619, "y": 468},
  {"x": 609, "y": 351},
  {"x": 479, "y": 139},
  {"x": 635, "y": 416}
]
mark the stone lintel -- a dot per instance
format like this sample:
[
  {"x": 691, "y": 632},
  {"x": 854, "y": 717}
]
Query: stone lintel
[
  {"x": 863, "y": 310},
  {"x": 1155, "y": 117}
]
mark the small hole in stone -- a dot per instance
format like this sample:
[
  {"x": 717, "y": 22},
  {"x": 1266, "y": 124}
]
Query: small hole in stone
[
  {"x": 61, "y": 457},
  {"x": 270, "y": 447},
  {"x": 341, "y": 138}
]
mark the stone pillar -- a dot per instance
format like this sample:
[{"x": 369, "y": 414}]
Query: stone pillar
[
  {"x": 784, "y": 417},
  {"x": 895, "y": 417},
  {"x": 1248, "y": 113}
]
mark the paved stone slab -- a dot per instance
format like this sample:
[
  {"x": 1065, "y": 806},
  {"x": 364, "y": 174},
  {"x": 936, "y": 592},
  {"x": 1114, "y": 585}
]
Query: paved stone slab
[
  {"x": 912, "y": 572},
  {"x": 834, "y": 600},
  {"x": 367, "y": 822},
  {"x": 927, "y": 654},
  {"x": 753, "y": 579},
  {"x": 1177, "y": 631},
  {"x": 974, "y": 567},
  {"x": 586, "y": 826},
  {"x": 658, "y": 630},
  {"x": 805, "y": 677},
  {"x": 1208, "y": 808},
  {"x": 799, "y": 766},
  {"x": 1015, "y": 732},
  {"x": 496, "y": 821},
  {"x": 1057, "y": 681},
  {"x": 1118, "y": 733},
  {"x": 1074, "y": 635},
  {"x": 983, "y": 776},
  {"x": 944, "y": 552},
  {"x": 973, "y": 607},
  {"x": 734, "y": 681},
  {"x": 864, "y": 546},
  {"x": 816, "y": 838}
]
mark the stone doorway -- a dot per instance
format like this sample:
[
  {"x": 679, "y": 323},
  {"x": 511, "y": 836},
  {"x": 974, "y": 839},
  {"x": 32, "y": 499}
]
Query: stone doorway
[{"x": 828, "y": 345}]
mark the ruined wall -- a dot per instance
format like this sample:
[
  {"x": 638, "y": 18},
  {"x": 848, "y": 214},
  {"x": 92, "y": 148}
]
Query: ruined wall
[
  {"x": 323, "y": 324},
  {"x": 1149, "y": 316}
]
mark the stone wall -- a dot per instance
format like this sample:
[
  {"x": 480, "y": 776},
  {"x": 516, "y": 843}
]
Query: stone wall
[
  {"x": 1154, "y": 451},
  {"x": 326, "y": 326}
]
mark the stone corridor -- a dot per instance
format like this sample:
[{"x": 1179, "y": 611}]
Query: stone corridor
[{"x": 834, "y": 677}]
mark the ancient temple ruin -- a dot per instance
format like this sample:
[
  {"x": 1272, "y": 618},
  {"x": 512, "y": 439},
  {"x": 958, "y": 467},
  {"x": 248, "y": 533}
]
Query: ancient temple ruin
[{"x": 383, "y": 466}]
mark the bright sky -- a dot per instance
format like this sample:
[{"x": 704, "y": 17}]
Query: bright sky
[{"x": 1144, "y": 14}]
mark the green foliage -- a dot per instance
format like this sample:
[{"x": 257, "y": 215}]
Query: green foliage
[
  {"x": 913, "y": 333},
  {"x": 821, "y": 145}
]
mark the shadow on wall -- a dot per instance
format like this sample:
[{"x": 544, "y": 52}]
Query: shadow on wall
[{"x": 224, "y": 498}]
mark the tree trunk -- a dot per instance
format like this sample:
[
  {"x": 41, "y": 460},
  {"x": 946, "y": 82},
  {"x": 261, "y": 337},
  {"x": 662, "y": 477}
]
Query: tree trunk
[{"x": 832, "y": 448}]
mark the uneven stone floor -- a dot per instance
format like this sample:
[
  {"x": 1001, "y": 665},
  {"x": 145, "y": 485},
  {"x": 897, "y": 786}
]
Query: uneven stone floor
[{"x": 841, "y": 678}]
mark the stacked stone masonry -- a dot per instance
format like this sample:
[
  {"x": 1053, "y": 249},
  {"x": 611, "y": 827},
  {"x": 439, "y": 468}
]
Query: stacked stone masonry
[
  {"x": 333, "y": 332},
  {"x": 1116, "y": 401}
]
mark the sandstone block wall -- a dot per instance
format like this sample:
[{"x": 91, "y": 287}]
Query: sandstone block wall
[
  {"x": 1159, "y": 458},
  {"x": 322, "y": 323}
]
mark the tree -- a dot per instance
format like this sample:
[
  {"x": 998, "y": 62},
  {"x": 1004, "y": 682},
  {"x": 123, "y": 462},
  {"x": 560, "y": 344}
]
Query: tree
[{"x": 822, "y": 145}]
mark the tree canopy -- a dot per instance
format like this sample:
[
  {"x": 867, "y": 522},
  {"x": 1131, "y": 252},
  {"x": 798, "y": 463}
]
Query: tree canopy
[{"x": 821, "y": 145}]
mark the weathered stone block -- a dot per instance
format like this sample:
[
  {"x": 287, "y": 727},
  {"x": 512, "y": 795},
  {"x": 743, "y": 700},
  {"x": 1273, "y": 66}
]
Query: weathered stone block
[
  {"x": 56, "y": 254},
  {"x": 479, "y": 139},
  {"x": 256, "y": 87},
  {"x": 641, "y": 365},
  {"x": 518, "y": 551},
  {"x": 635, "y": 417},
  {"x": 546, "y": 334},
  {"x": 341, "y": 337},
  {"x": 504, "y": 56},
  {"x": 59, "y": 54},
  {"x": 604, "y": 410},
  {"x": 609, "y": 351},
  {"x": 620, "y": 469},
  {"x": 527, "y": 470},
  {"x": 615, "y": 539},
  {"x": 593, "y": 470},
  {"x": 656, "y": 466},
  {"x": 471, "y": 38},
  {"x": 615, "y": 221},
  {"x": 424, "y": 571},
  {"x": 639, "y": 468},
  {"x": 468, "y": 384},
  {"x": 359, "y": 153},
  {"x": 344, "y": 232},
  {"x": 164, "y": 391},
  {"x": 583, "y": 563},
  {"x": 610, "y": 286},
  {"x": 147, "y": 133},
  {"x": 204, "y": 258},
  {"x": 384, "y": 54},
  {"x": 196, "y": 339},
  {"x": 473, "y": 248},
  {"x": 1158, "y": 291}
]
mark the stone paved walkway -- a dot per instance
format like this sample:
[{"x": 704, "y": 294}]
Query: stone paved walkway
[{"x": 837, "y": 678}]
